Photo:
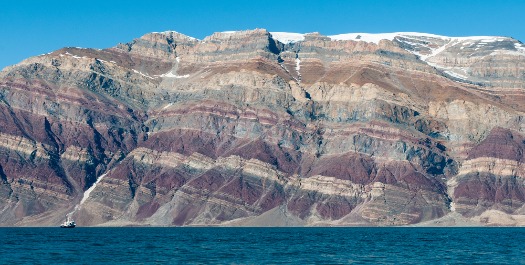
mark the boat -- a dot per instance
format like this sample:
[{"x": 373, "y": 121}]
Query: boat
[{"x": 68, "y": 223}]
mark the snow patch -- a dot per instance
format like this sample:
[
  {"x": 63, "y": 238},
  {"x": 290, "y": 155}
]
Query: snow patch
[
  {"x": 88, "y": 191},
  {"x": 437, "y": 51},
  {"x": 519, "y": 47},
  {"x": 367, "y": 37},
  {"x": 485, "y": 39},
  {"x": 104, "y": 61},
  {"x": 147, "y": 76},
  {"x": 172, "y": 75},
  {"x": 376, "y": 37},
  {"x": 456, "y": 75},
  {"x": 86, "y": 194},
  {"x": 411, "y": 43},
  {"x": 72, "y": 55},
  {"x": 287, "y": 37}
]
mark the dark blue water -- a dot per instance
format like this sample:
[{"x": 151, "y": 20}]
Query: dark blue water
[{"x": 262, "y": 246}]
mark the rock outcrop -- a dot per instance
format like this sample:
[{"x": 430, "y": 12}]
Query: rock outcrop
[{"x": 259, "y": 128}]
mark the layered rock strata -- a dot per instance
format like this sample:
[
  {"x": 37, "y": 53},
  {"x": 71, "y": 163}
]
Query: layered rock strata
[{"x": 255, "y": 128}]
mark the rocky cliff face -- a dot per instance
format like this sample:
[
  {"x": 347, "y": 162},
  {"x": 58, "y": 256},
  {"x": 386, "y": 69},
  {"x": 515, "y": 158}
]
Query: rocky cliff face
[{"x": 258, "y": 128}]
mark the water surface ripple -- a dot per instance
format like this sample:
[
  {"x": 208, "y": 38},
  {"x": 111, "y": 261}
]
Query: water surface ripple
[{"x": 208, "y": 245}]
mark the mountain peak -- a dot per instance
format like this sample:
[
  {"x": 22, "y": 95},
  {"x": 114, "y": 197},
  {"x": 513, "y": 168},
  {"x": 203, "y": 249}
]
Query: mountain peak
[
  {"x": 170, "y": 34},
  {"x": 227, "y": 35}
]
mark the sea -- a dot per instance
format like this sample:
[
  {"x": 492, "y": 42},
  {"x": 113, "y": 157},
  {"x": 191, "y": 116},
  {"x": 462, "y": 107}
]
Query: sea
[{"x": 213, "y": 245}]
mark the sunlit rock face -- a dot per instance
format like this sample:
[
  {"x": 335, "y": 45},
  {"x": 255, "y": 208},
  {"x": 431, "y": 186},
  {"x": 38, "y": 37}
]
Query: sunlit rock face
[{"x": 266, "y": 129}]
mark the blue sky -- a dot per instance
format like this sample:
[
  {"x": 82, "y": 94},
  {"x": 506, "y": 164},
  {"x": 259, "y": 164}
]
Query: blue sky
[{"x": 31, "y": 27}]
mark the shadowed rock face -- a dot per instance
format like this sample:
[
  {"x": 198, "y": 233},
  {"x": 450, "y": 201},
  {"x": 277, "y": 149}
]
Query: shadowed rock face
[{"x": 243, "y": 128}]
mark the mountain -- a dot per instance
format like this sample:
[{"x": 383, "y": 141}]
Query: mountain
[{"x": 267, "y": 129}]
